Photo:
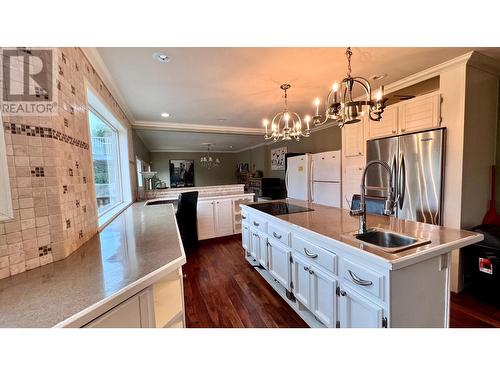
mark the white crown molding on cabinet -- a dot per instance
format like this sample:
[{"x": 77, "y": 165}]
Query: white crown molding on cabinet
[
  {"x": 198, "y": 128},
  {"x": 100, "y": 67}
]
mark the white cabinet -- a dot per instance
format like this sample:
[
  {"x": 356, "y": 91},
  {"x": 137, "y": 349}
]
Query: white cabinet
[
  {"x": 245, "y": 235},
  {"x": 353, "y": 142},
  {"x": 279, "y": 263},
  {"x": 223, "y": 217},
  {"x": 206, "y": 219},
  {"x": 356, "y": 311},
  {"x": 420, "y": 113},
  {"x": 215, "y": 218},
  {"x": 315, "y": 289},
  {"x": 351, "y": 179},
  {"x": 387, "y": 126}
]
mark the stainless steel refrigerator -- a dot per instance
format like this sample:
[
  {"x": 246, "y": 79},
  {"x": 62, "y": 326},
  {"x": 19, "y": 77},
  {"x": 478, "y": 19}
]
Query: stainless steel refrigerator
[{"x": 417, "y": 161}]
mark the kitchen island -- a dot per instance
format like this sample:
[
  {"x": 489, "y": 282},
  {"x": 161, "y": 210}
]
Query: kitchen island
[
  {"x": 332, "y": 279},
  {"x": 128, "y": 275}
]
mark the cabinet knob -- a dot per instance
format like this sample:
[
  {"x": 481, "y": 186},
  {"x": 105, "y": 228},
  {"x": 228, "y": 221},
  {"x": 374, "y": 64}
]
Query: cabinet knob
[
  {"x": 311, "y": 272},
  {"x": 342, "y": 293},
  {"x": 394, "y": 132},
  {"x": 217, "y": 202},
  {"x": 403, "y": 130},
  {"x": 306, "y": 268},
  {"x": 359, "y": 153}
]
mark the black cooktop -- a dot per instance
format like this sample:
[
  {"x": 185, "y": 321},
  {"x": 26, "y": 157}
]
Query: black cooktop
[{"x": 280, "y": 208}]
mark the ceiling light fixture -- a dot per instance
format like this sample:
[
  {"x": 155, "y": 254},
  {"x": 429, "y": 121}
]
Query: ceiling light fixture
[
  {"x": 340, "y": 105},
  {"x": 165, "y": 114},
  {"x": 161, "y": 57},
  {"x": 207, "y": 161},
  {"x": 286, "y": 124}
]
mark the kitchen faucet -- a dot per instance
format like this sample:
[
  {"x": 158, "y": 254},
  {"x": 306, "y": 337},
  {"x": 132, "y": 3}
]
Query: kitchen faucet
[{"x": 390, "y": 200}]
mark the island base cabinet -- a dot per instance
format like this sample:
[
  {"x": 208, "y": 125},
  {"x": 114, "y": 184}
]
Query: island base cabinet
[
  {"x": 258, "y": 247},
  {"x": 358, "y": 312},
  {"x": 314, "y": 289},
  {"x": 279, "y": 263}
]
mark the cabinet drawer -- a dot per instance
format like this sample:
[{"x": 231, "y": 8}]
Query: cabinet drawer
[
  {"x": 279, "y": 234},
  {"x": 315, "y": 254},
  {"x": 245, "y": 217},
  {"x": 363, "y": 278},
  {"x": 258, "y": 223}
]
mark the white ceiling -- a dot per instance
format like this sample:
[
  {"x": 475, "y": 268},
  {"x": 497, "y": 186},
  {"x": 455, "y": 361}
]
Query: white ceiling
[
  {"x": 161, "y": 140},
  {"x": 241, "y": 85}
]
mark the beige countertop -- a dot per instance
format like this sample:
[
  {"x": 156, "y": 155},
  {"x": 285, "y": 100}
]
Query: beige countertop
[
  {"x": 337, "y": 224},
  {"x": 140, "y": 245}
]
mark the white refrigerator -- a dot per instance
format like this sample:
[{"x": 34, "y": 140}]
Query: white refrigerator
[
  {"x": 298, "y": 177},
  {"x": 315, "y": 178},
  {"x": 326, "y": 175}
]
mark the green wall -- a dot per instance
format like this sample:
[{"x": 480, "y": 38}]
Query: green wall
[{"x": 224, "y": 174}]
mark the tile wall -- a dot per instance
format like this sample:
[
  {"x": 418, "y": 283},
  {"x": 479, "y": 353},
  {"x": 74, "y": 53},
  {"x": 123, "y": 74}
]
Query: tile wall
[{"x": 50, "y": 170}]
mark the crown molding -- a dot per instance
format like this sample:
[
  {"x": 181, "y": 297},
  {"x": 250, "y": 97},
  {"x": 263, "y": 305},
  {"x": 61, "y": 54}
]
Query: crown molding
[
  {"x": 197, "y": 128},
  {"x": 484, "y": 63},
  {"x": 95, "y": 59},
  {"x": 196, "y": 151}
]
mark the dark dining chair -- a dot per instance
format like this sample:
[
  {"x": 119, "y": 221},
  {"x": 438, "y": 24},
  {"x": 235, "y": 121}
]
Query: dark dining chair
[{"x": 187, "y": 218}]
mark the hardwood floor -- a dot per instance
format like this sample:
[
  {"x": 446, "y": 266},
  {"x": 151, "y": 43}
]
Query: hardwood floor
[{"x": 222, "y": 290}]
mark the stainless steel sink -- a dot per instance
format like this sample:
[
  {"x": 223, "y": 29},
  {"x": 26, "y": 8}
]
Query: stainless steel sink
[{"x": 388, "y": 241}]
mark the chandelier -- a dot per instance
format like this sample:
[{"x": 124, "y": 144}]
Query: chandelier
[
  {"x": 207, "y": 161},
  {"x": 286, "y": 125},
  {"x": 340, "y": 105}
]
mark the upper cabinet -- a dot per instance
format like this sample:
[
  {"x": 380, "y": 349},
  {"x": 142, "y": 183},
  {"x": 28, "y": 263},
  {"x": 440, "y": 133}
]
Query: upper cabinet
[
  {"x": 354, "y": 140},
  {"x": 420, "y": 113},
  {"x": 387, "y": 126}
]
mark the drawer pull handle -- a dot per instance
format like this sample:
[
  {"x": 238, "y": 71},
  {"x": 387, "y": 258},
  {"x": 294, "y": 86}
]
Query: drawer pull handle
[
  {"x": 256, "y": 224},
  {"x": 311, "y": 272},
  {"x": 243, "y": 217},
  {"x": 276, "y": 235},
  {"x": 309, "y": 254},
  {"x": 343, "y": 293},
  {"x": 306, "y": 268},
  {"x": 359, "y": 281}
]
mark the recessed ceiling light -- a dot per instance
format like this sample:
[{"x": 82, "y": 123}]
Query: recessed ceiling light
[
  {"x": 161, "y": 57},
  {"x": 221, "y": 119},
  {"x": 165, "y": 114},
  {"x": 230, "y": 146},
  {"x": 378, "y": 77}
]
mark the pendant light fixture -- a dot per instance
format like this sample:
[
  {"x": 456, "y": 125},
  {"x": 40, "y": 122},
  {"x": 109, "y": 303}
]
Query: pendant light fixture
[
  {"x": 207, "y": 161},
  {"x": 286, "y": 124},
  {"x": 340, "y": 105}
]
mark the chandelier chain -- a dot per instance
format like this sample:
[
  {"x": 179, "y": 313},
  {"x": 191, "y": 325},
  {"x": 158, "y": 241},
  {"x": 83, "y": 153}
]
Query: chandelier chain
[{"x": 348, "y": 54}]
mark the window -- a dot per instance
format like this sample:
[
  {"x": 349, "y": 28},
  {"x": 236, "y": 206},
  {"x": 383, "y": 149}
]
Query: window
[
  {"x": 140, "y": 179},
  {"x": 105, "y": 156},
  {"x": 110, "y": 156}
]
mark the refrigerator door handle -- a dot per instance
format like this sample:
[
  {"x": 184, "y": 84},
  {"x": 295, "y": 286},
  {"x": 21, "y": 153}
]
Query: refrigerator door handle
[
  {"x": 286, "y": 181},
  {"x": 402, "y": 181},
  {"x": 394, "y": 169}
]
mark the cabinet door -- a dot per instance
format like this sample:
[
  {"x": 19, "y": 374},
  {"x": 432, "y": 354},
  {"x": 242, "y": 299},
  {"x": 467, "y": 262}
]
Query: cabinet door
[
  {"x": 279, "y": 263},
  {"x": 125, "y": 315},
  {"x": 254, "y": 244},
  {"x": 420, "y": 113},
  {"x": 358, "y": 312},
  {"x": 206, "y": 219},
  {"x": 387, "y": 126},
  {"x": 245, "y": 238},
  {"x": 262, "y": 257},
  {"x": 301, "y": 280},
  {"x": 351, "y": 181},
  {"x": 323, "y": 297},
  {"x": 354, "y": 139},
  {"x": 224, "y": 217}
]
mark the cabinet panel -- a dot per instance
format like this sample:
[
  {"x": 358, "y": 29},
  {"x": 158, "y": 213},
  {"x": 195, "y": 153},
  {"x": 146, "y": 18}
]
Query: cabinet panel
[
  {"x": 353, "y": 139},
  {"x": 279, "y": 263},
  {"x": 254, "y": 244},
  {"x": 301, "y": 280},
  {"x": 420, "y": 113},
  {"x": 356, "y": 311},
  {"x": 387, "y": 126},
  {"x": 351, "y": 182},
  {"x": 261, "y": 252},
  {"x": 245, "y": 237},
  {"x": 206, "y": 219},
  {"x": 224, "y": 217},
  {"x": 323, "y": 298},
  {"x": 125, "y": 315}
]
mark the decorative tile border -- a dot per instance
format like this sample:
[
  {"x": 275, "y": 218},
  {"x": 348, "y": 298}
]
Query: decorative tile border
[{"x": 43, "y": 132}]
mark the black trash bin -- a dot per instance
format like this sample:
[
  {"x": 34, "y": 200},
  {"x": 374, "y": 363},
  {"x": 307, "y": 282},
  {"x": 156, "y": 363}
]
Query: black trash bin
[{"x": 484, "y": 265}]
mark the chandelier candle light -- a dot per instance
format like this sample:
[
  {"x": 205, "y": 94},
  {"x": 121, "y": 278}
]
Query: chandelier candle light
[
  {"x": 207, "y": 161},
  {"x": 286, "y": 124},
  {"x": 341, "y": 107}
]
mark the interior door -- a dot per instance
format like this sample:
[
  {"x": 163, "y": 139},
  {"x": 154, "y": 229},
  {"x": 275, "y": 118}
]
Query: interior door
[
  {"x": 356, "y": 311},
  {"x": 301, "y": 280},
  {"x": 224, "y": 217},
  {"x": 323, "y": 298},
  {"x": 385, "y": 149},
  {"x": 421, "y": 161},
  {"x": 326, "y": 193},
  {"x": 326, "y": 166},
  {"x": 297, "y": 177},
  {"x": 279, "y": 263},
  {"x": 206, "y": 219}
]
